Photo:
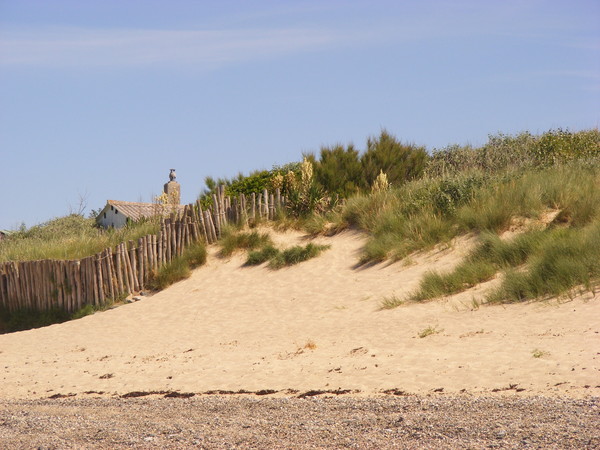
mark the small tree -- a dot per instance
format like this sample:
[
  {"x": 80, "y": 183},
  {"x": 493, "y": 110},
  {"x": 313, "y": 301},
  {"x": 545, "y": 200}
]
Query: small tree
[
  {"x": 339, "y": 171},
  {"x": 401, "y": 162}
]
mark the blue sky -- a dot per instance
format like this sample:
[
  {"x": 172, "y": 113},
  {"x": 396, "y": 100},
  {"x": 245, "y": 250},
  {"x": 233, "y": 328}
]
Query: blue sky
[{"x": 99, "y": 99}]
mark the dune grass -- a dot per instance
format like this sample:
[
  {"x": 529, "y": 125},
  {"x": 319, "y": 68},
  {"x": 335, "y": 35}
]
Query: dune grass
[
  {"x": 232, "y": 240},
  {"x": 295, "y": 255},
  {"x": 427, "y": 212},
  {"x": 69, "y": 237},
  {"x": 26, "y": 319},
  {"x": 489, "y": 257},
  {"x": 283, "y": 258},
  {"x": 179, "y": 268},
  {"x": 536, "y": 264},
  {"x": 566, "y": 263},
  {"x": 262, "y": 255}
]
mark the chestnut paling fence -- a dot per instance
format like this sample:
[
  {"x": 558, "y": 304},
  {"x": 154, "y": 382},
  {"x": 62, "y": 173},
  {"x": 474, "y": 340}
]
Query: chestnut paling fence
[{"x": 128, "y": 267}]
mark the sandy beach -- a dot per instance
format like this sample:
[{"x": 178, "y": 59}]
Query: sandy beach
[
  {"x": 311, "y": 330},
  {"x": 314, "y": 326}
]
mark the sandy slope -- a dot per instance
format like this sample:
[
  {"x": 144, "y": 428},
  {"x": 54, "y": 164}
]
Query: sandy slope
[{"x": 313, "y": 326}]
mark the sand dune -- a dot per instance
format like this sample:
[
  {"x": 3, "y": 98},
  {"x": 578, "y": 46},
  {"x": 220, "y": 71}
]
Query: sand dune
[{"x": 314, "y": 326}]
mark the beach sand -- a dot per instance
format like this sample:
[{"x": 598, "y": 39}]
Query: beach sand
[{"x": 316, "y": 326}]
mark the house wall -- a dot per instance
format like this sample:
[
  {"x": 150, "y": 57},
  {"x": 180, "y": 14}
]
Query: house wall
[{"x": 112, "y": 217}]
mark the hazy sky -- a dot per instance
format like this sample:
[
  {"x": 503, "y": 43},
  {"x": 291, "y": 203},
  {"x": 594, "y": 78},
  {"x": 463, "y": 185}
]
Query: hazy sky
[{"x": 99, "y": 99}]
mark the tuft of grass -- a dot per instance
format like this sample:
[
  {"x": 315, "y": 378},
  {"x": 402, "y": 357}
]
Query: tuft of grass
[
  {"x": 310, "y": 345},
  {"x": 261, "y": 256},
  {"x": 428, "y": 332},
  {"x": 281, "y": 258},
  {"x": 465, "y": 276},
  {"x": 232, "y": 241},
  {"x": 295, "y": 255},
  {"x": 391, "y": 302},
  {"x": 537, "y": 353},
  {"x": 179, "y": 268}
]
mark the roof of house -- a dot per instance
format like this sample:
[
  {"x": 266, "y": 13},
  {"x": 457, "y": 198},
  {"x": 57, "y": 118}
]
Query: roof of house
[{"x": 136, "y": 210}]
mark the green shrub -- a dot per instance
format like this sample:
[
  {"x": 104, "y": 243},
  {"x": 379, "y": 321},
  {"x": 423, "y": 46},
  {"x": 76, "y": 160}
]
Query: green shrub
[
  {"x": 522, "y": 151},
  {"x": 339, "y": 171},
  {"x": 400, "y": 162}
]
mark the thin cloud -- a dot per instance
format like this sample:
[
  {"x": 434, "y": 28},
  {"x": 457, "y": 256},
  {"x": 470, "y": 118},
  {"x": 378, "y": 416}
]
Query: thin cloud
[{"x": 80, "y": 47}]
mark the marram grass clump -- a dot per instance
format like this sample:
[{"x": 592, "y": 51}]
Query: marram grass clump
[
  {"x": 282, "y": 258},
  {"x": 231, "y": 241},
  {"x": 179, "y": 268},
  {"x": 295, "y": 255}
]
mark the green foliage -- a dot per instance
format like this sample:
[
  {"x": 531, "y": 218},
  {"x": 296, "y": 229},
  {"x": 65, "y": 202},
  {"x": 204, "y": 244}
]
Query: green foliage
[
  {"x": 295, "y": 255},
  {"x": 428, "y": 211},
  {"x": 87, "y": 310},
  {"x": 536, "y": 264},
  {"x": 391, "y": 302},
  {"x": 521, "y": 151},
  {"x": 170, "y": 273},
  {"x": 303, "y": 196},
  {"x": 561, "y": 145},
  {"x": 262, "y": 255},
  {"x": 256, "y": 182},
  {"x": 339, "y": 171},
  {"x": 281, "y": 258},
  {"x": 231, "y": 241},
  {"x": 490, "y": 256},
  {"x": 567, "y": 260},
  {"x": 195, "y": 255},
  {"x": 26, "y": 319},
  {"x": 428, "y": 331},
  {"x": 400, "y": 162},
  {"x": 69, "y": 237},
  {"x": 179, "y": 268}
]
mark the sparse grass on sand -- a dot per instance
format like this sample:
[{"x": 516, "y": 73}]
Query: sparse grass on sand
[{"x": 429, "y": 331}]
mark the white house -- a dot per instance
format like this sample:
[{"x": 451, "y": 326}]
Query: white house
[{"x": 117, "y": 214}]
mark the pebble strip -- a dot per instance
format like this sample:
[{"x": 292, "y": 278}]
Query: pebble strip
[{"x": 312, "y": 422}]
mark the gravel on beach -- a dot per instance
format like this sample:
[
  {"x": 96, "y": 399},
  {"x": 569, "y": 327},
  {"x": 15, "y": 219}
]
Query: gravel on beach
[{"x": 218, "y": 421}]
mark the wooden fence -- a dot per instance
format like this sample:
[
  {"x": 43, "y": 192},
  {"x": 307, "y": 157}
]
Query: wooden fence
[{"x": 127, "y": 268}]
